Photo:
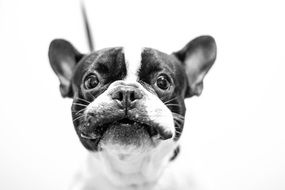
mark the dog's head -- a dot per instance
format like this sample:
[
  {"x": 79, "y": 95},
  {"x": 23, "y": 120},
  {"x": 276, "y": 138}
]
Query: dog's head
[{"x": 130, "y": 98}]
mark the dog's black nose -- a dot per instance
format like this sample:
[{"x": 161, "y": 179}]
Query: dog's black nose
[{"x": 126, "y": 96}]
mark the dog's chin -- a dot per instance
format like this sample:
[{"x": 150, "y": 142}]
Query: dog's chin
[{"x": 127, "y": 134}]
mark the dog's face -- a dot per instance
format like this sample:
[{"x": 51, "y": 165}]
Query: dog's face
[{"x": 130, "y": 98}]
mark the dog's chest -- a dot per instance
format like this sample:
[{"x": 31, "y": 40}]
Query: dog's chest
[{"x": 172, "y": 178}]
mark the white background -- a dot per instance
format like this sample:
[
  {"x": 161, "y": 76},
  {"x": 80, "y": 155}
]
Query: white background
[{"x": 234, "y": 137}]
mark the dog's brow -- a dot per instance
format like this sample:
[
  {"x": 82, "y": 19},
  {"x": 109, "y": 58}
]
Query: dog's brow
[{"x": 133, "y": 62}]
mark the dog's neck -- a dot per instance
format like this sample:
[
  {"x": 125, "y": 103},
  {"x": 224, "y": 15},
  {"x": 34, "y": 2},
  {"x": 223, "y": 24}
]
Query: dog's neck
[{"x": 130, "y": 167}]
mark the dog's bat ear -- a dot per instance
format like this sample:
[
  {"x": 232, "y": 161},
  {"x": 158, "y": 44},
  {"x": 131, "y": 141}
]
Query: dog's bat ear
[
  {"x": 198, "y": 56},
  {"x": 63, "y": 58}
]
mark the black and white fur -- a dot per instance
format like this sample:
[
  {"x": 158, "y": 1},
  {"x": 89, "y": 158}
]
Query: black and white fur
[{"x": 128, "y": 108}]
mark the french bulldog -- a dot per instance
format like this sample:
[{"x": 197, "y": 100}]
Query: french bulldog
[{"x": 128, "y": 108}]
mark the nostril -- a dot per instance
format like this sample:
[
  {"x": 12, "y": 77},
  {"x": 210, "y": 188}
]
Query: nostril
[
  {"x": 120, "y": 96},
  {"x": 132, "y": 96}
]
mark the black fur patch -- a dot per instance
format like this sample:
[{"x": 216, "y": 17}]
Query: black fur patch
[
  {"x": 175, "y": 153},
  {"x": 155, "y": 63}
]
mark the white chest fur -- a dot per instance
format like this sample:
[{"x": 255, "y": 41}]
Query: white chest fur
[
  {"x": 106, "y": 170},
  {"x": 90, "y": 178}
]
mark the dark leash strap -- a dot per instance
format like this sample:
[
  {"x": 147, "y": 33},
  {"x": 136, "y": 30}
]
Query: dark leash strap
[{"x": 87, "y": 27}]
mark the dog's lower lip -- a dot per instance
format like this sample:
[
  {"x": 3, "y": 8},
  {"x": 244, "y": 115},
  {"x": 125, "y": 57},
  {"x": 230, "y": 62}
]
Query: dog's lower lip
[
  {"x": 150, "y": 129},
  {"x": 98, "y": 131}
]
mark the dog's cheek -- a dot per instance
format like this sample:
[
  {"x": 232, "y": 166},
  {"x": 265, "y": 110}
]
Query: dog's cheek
[
  {"x": 159, "y": 113},
  {"x": 179, "y": 114}
]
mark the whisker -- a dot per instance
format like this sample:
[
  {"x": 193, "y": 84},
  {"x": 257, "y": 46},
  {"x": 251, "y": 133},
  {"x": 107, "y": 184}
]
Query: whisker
[
  {"x": 178, "y": 115},
  {"x": 178, "y": 129},
  {"x": 178, "y": 119},
  {"x": 176, "y": 126},
  {"x": 79, "y": 111},
  {"x": 178, "y": 123},
  {"x": 170, "y": 100},
  {"x": 178, "y": 132},
  {"x": 91, "y": 95},
  {"x": 80, "y": 104},
  {"x": 83, "y": 100},
  {"x": 176, "y": 105},
  {"x": 78, "y": 118}
]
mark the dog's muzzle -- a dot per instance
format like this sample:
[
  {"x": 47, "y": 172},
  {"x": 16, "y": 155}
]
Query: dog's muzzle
[{"x": 125, "y": 121}]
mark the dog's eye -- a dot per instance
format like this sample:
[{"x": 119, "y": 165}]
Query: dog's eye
[
  {"x": 162, "y": 82},
  {"x": 91, "y": 81}
]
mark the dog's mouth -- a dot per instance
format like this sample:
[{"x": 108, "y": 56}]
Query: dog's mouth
[
  {"x": 151, "y": 129},
  {"x": 125, "y": 130}
]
